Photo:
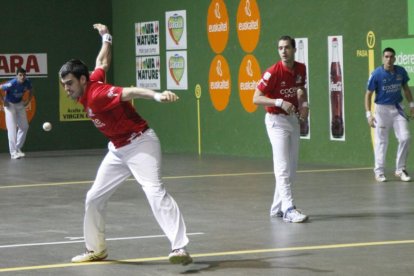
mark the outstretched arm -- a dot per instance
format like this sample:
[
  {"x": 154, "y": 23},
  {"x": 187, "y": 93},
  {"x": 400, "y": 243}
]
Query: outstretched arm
[
  {"x": 103, "y": 60},
  {"x": 129, "y": 93}
]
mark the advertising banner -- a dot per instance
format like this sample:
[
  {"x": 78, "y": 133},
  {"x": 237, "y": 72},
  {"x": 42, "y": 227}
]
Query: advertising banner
[{"x": 336, "y": 88}]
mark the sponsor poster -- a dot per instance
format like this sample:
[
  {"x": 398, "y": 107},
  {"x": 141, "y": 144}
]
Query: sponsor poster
[
  {"x": 177, "y": 70},
  {"x": 249, "y": 76},
  {"x": 148, "y": 73},
  {"x": 217, "y": 26},
  {"x": 219, "y": 82},
  {"x": 34, "y": 64},
  {"x": 336, "y": 88},
  {"x": 147, "y": 38},
  {"x": 69, "y": 110},
  {"x": 176, "y": 30},
  {"x": 248, "y": 24},
  {"x": 301, "y": 55}
]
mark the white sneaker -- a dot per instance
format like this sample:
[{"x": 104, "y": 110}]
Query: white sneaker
[
  {"x": 294, "y": 215},
  {"x": 90, "y": 256},
  {"x": 380, "y": 178},
  {"x": 15, "y": 156},
  {"x": 180, "y": 256},
  {"x": 403, "y": 175},
  {"x": 22, "y": 154}
]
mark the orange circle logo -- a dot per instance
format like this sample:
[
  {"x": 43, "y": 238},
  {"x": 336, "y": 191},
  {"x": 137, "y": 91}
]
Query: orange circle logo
[
  {"x": 249, "y": 76},
  {"x": 217, "y": 25},
  {"x": 219, "y": 82},
  {"x": 248, "y": 24},
  {"x": 30, "y": 111}
]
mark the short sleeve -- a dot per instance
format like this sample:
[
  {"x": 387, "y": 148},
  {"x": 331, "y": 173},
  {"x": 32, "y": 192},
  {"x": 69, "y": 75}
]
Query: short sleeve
[
  {"x": 264, "y": 81},
  {"x": 98, "y": 75},
  {"x": 371, "y": 85},
  {"x": 105, "y": 97}
]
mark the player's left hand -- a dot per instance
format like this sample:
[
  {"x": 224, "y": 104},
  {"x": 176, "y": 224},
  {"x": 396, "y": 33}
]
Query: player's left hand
[
  {"x": 169, "y": 97},
  {"x": 288, "y": 107},
  {"x": 102, "y": 29}
]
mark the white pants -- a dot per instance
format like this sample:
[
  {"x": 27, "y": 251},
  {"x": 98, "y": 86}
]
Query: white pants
[
  {"x": 387, "y": 117},
  {"x": 17, "y": 125},
  {"x": 283, "y": 132},
  {"x": 142, "y": 159}
]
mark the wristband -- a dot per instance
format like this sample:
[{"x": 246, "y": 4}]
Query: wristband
[
  {"x": 157, "y": 97},
  {"x": 278, "y": 102},
  {"x": 107, "y": 38},
  {"x": 368, "y": 114},
  {"x": 305, "y": 104},
  {"x": 411, "y": 104}
]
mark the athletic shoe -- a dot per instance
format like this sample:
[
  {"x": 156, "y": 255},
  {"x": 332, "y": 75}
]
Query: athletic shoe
[
  {"x": 180, "y": 256},
  {"x": 294, "y": 215},
  {"x": 22, "y": 154},
  {"x": 15, "y": 156},
  {"x": 380, "y": 178},
  {"x": 90, "y": 256},
  {"x": 403, "y": 175}
]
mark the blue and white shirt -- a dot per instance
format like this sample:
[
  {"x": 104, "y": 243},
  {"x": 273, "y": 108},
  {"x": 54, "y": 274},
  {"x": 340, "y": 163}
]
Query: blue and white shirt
[
  {"x": 15, "y": 90},
  {"x": 387, "y": 85}
]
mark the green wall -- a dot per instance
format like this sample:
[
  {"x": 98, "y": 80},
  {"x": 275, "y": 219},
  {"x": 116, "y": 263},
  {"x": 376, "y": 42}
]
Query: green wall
[
  {"x": 235, "y": 131},
  {"x": 62, "y": 29}
]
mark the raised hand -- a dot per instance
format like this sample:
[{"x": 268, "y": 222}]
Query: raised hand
[{"x": 102, "y": 29}]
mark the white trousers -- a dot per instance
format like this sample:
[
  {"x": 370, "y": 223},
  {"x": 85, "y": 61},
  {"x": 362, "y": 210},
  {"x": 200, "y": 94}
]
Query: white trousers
[
  {"x": 283, "y": 132},
  {"x": 17, "y": 125},
  {"x": 142, "y": 159},
  {"x": 387, "y": 117}
]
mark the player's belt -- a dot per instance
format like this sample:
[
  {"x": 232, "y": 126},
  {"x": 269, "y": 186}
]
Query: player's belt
[
  {"x": 277, "y": 113},
  {"x": 137, "y": 134},
  {"x": 141, "y": 132}
]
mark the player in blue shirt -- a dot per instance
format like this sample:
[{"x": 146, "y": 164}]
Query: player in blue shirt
[
  {"x": 387, "y": 81},
  {"x": 15, "y": 111}
]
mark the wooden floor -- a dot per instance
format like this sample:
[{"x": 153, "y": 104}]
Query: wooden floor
[{"x": 356, "y": 226}]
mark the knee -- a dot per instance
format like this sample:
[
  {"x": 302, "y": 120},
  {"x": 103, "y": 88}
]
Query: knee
[
  {"x": 155, "y": 191},
  {"x": 405, "y": 139},
  {"x": 24, "y": 127},
  {"x": 92, "y": 201}
]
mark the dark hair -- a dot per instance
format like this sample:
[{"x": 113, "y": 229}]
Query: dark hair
[
  {"x": 288, "y": 38},
  {"x": 388, "y": 49},
  {"x": 75, "y": 67},
  {"x": 20, "y": 70}
]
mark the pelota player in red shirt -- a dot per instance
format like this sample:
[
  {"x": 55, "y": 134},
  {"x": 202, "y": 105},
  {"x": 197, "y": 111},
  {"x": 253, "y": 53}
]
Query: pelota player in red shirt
[
  {"x": 134, "y": 149},
  {"x": 283, "y": 94}
]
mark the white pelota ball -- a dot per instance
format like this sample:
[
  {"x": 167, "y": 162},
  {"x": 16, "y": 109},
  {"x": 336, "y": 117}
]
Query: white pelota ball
[{"x": 47, "y": 126}]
